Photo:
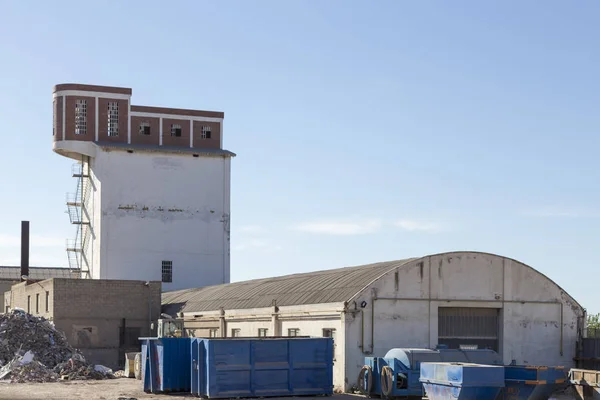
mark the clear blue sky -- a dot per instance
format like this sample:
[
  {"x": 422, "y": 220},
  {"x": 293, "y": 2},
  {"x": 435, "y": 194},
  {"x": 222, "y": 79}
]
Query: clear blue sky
[{"x": 365, "y": 131}]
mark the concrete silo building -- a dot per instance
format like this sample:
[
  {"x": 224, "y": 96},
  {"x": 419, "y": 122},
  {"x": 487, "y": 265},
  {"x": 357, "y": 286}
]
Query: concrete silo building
[{"x": 152, "y": 198}]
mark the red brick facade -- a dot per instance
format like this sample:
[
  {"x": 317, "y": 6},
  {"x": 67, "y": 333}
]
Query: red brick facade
[{"x": 129, "y": 123}]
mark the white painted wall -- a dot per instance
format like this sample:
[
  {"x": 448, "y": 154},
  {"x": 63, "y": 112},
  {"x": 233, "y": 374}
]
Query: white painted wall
[
  {"x": 531, "y": 332},
  {"x": 149, "y": 207}
]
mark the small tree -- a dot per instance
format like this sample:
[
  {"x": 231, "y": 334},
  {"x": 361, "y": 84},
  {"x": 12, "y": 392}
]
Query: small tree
[{"x": 593, "y": 325}]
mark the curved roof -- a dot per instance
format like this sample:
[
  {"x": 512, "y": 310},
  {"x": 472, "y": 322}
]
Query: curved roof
[{"x": 329, "y": 286}]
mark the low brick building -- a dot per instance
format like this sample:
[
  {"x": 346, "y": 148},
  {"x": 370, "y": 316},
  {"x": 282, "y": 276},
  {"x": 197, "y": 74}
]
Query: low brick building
[{"x": 102, "y": 318}]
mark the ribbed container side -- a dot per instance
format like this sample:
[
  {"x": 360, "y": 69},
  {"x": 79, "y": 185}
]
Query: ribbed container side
[
  {"x": 262, "y": 367},
  {"x": 166, "y": 365}
]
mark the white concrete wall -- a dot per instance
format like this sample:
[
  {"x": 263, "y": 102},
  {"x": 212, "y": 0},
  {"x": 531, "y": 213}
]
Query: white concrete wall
[
  {"x": 530, "y": 307},
  {"x": 159, "y": 206}
]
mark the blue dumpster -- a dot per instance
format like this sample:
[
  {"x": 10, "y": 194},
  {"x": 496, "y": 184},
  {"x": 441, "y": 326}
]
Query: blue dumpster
[
  {"x": 461, "y": 381},
  {"x": 523, "y": 382},
  {"x": 261, "y": 367},
  {"x": 166, "y": 365}
]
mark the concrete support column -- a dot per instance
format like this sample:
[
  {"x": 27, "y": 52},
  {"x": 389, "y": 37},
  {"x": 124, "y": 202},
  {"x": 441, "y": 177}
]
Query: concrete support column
[
  {"x": 275, "y": 324},
  {"x": 222, "y": 324}
]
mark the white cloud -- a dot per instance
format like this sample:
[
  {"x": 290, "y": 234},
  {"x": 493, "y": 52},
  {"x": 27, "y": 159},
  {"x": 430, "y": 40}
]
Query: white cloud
[
  {"x": 252, "y": 229},
  {"x": 35, "y": 241},
  {"x": 418, "y": 226},
  {"x": 357, "y": 227},
  {"x": 557, "y": 212}
]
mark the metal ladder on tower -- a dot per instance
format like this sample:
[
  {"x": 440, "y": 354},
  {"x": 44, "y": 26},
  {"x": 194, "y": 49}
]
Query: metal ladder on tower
[{"x": 76, "y": 208}]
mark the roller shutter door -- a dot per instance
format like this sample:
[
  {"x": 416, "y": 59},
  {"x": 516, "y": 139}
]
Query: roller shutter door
[{"x": 469, "y": 328}]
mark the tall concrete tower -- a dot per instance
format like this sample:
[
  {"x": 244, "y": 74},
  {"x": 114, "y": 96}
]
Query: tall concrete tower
[{"x": 153, "y": 188}]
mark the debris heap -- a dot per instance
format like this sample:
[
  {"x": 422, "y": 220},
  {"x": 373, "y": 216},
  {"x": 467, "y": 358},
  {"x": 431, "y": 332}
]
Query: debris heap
[{"x": 32, "y": 350}]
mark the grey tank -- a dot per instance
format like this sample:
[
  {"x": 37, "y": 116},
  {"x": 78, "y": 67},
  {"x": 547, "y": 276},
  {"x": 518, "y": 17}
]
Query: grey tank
[{"x": 412, "y": 358}]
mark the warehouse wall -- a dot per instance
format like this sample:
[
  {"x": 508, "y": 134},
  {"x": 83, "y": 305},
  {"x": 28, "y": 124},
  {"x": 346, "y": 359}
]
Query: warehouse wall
[
  {"x": 93, "y": 312},
  {"x": 406, "y": 303}
]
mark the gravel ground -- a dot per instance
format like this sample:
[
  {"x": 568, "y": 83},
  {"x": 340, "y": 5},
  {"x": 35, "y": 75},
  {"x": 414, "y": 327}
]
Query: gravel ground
[
  {"x": 124, "y": 388},
  {"x": 111, "y": 389}
]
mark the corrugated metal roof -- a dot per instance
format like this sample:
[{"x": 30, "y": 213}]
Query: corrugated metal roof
[
  {"x": 14, "y": 273},
  {"x": 329, "y": 286}
]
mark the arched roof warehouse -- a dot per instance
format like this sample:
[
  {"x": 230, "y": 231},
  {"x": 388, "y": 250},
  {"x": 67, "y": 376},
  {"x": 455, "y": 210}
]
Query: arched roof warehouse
[{"x": 328, "y": 286}]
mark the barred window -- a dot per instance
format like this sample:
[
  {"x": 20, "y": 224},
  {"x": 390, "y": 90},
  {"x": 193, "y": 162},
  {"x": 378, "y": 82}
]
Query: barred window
[
  {"x": 293, "y": 332},
  {"x": 235, "y": 332},
  {"x": 145, "y": 128},
  {"x": 206, "y": 132},
  {"x": 176, "y": 130},
  {"x": 262, "y": 332},
  {"x": 113, "y": 118},
  {"x": 167, "y": 271},
  {"x": 80, "y": 117}
]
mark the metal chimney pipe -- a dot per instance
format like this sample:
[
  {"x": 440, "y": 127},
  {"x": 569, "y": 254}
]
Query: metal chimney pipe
[{"x": 24, "y": 249}]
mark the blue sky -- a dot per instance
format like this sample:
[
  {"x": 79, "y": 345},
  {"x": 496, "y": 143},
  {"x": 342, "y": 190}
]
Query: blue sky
[{"x": 365, "y": 131}]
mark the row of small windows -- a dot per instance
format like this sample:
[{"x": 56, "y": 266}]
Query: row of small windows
[
  {"x": 113, "y": 122},
  {"x": 264, "y": 332},
  {"x": 176, "y": 130},
  {"x": 37, "y": 303}
]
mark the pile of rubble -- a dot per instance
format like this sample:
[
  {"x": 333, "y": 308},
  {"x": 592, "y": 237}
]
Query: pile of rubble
[{"x": 32, "y": 350}]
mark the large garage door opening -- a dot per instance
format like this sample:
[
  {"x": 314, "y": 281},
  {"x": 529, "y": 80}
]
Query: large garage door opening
[{"x": 469, "y": 328}]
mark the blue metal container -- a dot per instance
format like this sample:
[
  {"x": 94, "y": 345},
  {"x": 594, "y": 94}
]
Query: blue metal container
[
  {"x": 524, "y": 382},
  {"x": 397, "y": 374},
  {"x": 461, "y": 381},
  {"x": 198, "y": 367},
  {"x": 261, "y": 367},
  {"x": 166, "y": 365}
]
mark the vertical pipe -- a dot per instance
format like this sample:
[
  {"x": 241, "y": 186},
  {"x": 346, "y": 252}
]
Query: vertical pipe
[
  {"x": 373, "y": 324},
  {"x": 561, "y": 328},
  {"x": 24, "y": 249}
]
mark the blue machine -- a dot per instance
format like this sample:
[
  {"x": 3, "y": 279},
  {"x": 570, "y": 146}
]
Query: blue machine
[
  {"x": 165, "y": 365},
  {"x": 461, "y": 381},
  {"x": 261, "y": 367},
  {"x": 397, "y": 374},
  {"x": 531, "y": 382}
]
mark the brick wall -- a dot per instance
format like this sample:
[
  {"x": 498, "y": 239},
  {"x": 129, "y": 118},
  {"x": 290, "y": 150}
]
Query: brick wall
[{"x": 92, "y": 313}]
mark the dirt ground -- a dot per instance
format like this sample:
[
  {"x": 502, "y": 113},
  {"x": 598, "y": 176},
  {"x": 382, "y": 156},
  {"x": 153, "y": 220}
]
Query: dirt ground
[
  {"x": 112, "y": 389},
  {"x": 124, "y": 389}
]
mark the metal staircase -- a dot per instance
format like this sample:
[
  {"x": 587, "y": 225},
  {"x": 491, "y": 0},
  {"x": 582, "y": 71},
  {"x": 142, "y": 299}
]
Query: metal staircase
[{"x": 77, "y": 203}]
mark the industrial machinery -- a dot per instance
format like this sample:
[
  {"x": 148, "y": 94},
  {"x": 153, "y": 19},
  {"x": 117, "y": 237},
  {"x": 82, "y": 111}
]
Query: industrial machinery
[
  {"x": 397, "y": 373},
  {"x": 170, "y": 328}
]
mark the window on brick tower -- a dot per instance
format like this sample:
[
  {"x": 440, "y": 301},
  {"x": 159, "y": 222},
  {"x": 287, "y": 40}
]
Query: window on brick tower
[
  {"x": 80, "y": 117},
  {"x": 167, "y": 271},
  {"x": 176, "y": 130},
  {"x": 113, "y": 118},
  {"x": 206, "y": 132},
  {"x": 145, "y": 128}
]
